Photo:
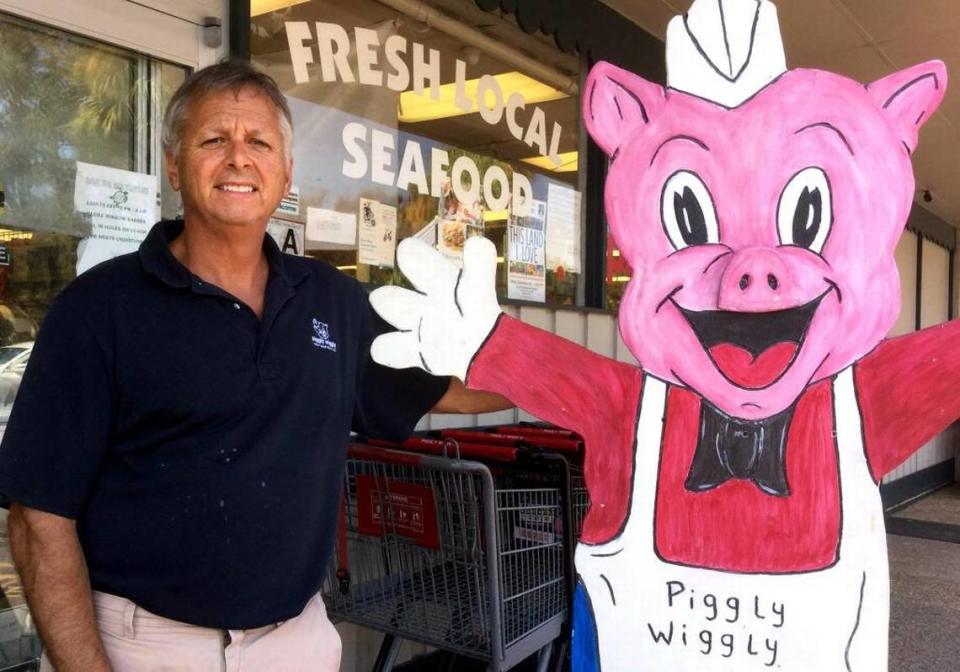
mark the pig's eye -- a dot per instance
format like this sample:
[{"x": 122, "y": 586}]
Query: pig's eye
[
  {"x": 687, "y": 211},
  {"x": 805, "y": 213}
]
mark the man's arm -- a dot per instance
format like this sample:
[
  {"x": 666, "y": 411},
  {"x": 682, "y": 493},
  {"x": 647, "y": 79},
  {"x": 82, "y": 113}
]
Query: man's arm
[
  {"x": 459, "y": 399},
  {"x": 47, "y": 555}
]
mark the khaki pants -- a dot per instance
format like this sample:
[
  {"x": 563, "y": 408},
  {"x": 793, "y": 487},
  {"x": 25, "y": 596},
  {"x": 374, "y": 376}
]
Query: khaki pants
[{"x": 138, "y": 641}]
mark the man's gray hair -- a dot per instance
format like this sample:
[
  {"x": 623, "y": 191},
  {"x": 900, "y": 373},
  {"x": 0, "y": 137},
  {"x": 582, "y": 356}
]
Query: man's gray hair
[{"x": 227, "y": 75}]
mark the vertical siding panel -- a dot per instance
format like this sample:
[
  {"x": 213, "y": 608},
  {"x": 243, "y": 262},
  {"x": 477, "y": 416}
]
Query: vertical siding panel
[
  {"x": 934, "y": 305},
  {"x": 572, "y": 326},
  {"x": 501, "y": 418},
  {"x": 452, "y": 420},
  {"x": 602, "y": 334},
  {"x": 538, "y": 317},
  {"x": 906, "y": 255},
  {"x": 623, "y": 352}
]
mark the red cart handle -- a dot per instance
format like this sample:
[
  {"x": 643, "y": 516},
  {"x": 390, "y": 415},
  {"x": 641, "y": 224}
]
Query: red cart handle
[
  {"x": 467, "y": 450},
  {"x": 558, "y": 443}
]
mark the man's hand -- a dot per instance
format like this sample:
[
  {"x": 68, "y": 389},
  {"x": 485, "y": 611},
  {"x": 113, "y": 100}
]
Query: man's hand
[
  {"x": 51, "y": 565},
  {"x": 443, "y": 326}
]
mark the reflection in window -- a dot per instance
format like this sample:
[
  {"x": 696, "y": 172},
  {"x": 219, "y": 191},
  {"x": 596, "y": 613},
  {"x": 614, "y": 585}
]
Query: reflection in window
[
  {"x": 618, "y": 274},
  {"x": 358, "y": 139},
  {"x": 63, "y": 99}
]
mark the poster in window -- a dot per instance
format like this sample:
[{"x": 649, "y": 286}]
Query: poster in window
[
  {"x": 329, "y": 229},
  {"x": 376, "y": 233},
  {"x": 526, "y": 255},
  {"x": 122, "y": 206},
  {"x": 563, "y": 228},
  {"x": 455, "y": 222}
]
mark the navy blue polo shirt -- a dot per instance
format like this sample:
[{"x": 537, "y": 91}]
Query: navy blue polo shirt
[{"x": 201, "y": 449}]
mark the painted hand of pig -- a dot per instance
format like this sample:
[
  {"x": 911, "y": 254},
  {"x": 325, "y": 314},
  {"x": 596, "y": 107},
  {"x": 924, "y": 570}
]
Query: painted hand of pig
[{"x": 443, "y": 324}]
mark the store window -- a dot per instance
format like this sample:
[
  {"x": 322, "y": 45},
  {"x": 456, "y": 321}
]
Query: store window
[
  {"x": 407, "y": 129},
  {"x": 618, "y": 274},
  {"x": 69, "y": 107}
]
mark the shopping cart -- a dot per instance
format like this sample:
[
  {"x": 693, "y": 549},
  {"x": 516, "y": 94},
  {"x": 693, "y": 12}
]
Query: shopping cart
[{"x": 465, "y": 556}]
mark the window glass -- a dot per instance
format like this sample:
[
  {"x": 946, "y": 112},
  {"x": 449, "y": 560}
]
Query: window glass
[
  {"x": 168, "y": 78},
  {"x": 618, "y": 274},
  {"x": 64, "y": 99},
  {"x": 392, "y": 139}
]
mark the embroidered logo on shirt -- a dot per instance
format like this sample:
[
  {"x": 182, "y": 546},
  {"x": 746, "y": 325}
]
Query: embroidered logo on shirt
[{"x": 321, "y": 337}]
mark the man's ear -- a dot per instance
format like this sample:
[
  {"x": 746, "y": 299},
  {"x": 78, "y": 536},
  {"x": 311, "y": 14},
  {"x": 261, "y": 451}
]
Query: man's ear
[
  {"x": 615, "y": 102},
  {"x": 910, "y": 97},
  {"x": 173, "y": 171}
]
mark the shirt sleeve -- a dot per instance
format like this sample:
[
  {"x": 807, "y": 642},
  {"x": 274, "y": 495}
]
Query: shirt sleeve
[
  {"x": 59, "y": 426},
  {"x": 389, "y": 402}
]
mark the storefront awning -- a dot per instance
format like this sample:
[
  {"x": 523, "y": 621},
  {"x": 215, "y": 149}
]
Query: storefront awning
[{"x": 588, "y": 27}]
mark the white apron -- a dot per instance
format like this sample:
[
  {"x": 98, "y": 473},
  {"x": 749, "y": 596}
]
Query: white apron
[{"x": 653, "y": 615}]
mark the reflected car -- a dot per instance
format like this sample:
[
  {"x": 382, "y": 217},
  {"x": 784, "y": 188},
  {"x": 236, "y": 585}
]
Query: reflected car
[{"x": 13, "y": 362}]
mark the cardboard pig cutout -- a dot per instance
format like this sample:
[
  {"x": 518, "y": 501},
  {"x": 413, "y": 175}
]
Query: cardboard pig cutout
[{"x": 736, "y": 522}]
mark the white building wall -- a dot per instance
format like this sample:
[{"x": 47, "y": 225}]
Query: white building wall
[{"x": 165, "y": 29}]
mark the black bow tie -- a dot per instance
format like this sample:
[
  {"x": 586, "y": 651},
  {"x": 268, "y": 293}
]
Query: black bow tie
[{"x": 753, "y": 450}]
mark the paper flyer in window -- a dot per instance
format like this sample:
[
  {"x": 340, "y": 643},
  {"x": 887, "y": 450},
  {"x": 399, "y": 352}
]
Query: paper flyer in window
[
  {"x": 122, "y": 206},
  {"x": 455, "y": 222},
  {"x": 376, "y": 233},
  {"x": 563, "y": 228},
  {"x": 330, "y": 229},
  {"x": 526, "y": 255},
  {"x": 289, "y": 236}
]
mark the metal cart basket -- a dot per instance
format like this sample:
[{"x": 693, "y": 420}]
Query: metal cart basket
[{"x": 467, "y": 557}]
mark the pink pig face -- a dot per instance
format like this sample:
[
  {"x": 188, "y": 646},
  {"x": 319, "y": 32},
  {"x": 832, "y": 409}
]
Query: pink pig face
[{"x": 761, "y": 238}]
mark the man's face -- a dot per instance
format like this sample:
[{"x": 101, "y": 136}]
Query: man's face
[{"x": 232, "y": 169}]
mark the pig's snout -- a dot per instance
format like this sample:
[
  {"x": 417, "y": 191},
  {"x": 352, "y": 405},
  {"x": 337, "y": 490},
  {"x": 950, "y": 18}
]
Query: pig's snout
[{"x": 758, "y": 280}]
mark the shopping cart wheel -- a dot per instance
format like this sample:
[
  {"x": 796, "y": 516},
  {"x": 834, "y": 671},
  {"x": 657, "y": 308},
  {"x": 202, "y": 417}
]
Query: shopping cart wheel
[
  {"x": 387, "y": 656},
  {"x": 543, "y": 658},
  {"x": 561, "y": 656}
]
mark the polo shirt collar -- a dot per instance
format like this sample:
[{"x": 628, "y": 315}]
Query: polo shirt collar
[{"x": 157, "y": 259}]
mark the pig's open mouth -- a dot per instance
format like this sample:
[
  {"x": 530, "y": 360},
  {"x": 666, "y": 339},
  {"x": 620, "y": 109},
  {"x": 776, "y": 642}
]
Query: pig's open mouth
[{"x": 752, "y": 350}]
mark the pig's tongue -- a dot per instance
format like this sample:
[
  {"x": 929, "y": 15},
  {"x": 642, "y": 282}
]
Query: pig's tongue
[{"x": 740, "y": 367}]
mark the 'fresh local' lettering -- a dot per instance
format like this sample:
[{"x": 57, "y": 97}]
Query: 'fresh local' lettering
[
  {"x": 684, "y": 603},
  {"x": 333, "y": 47}
]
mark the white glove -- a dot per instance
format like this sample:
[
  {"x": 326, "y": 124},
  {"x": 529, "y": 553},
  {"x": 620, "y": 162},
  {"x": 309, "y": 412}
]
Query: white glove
[{"x": 443, "y": 326}]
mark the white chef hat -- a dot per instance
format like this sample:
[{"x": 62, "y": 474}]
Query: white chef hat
[{"x": 725, "y": 50}]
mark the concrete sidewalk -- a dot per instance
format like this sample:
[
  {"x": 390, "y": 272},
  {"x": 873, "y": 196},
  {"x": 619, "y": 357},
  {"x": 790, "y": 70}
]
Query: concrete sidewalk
[
  {"x": 924, "y": 605},
  {"x": 925, "y": 587}
]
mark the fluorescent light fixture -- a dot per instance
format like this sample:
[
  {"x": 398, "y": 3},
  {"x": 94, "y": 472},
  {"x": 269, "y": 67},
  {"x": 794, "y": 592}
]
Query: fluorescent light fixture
[
  {"x": 569, "y": 162},
  {"x": 416, "y": 107},
  {"x": 13, "y": 234},
  {"x": 621, "y": 278},
  {"x": 496, "y": 215},
  {"x": 352, "y": 267},
  {"x": 258, "y": 7}
]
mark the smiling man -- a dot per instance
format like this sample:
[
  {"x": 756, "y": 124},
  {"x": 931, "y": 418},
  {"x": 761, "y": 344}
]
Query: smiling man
[{"x": 175, "y": 456}]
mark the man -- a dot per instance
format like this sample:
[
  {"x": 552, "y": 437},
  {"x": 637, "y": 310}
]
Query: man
[{"x": 175, "y": 455}]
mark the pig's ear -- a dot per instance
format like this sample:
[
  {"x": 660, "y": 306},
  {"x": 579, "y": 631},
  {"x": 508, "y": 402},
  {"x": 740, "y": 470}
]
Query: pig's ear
[
  {"x": 910, "y": 97},
  {"x": 616, "y": 101}
]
